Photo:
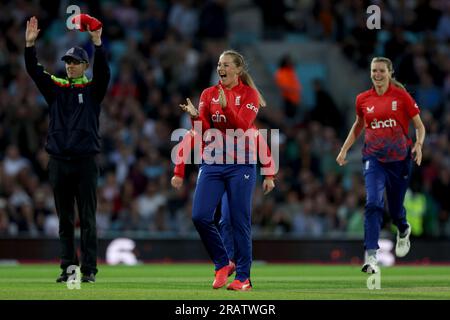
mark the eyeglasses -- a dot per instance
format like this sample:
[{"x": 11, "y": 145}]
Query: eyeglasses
[{"x": 73, "y": 61}]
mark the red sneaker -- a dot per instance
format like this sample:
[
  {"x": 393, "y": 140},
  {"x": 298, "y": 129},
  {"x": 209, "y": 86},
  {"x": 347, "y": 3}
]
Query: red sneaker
[
  {"x": 238, "y": 285},
  {"x": 221, "y": 277},
  {"x": 232, "y": 266}
]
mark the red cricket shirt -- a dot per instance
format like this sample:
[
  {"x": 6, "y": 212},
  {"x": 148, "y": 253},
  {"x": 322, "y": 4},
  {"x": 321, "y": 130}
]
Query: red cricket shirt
[
  {"x": 240, "y": 113},
  {"x": 386, "y": 120}
]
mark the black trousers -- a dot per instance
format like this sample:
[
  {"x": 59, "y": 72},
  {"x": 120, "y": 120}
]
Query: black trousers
[{"x": 76, "y": 180}]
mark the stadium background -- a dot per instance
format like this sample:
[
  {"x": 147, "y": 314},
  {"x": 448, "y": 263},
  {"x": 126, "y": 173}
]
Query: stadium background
[{"x": 164, "y": 51}]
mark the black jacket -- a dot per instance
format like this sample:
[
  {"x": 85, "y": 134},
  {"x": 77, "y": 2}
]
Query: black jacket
[{"x": 74, "y": 106}]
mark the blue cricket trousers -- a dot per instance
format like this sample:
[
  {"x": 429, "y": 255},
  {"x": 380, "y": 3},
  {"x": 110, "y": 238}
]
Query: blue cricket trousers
[
  {"x": 379, "y": 176},
  {"x": 238, "y": 181},
  {"x": 225, "y": 228}
]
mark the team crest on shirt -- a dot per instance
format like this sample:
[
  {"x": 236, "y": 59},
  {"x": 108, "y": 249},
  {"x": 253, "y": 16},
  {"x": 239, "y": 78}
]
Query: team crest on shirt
[
  {"x": 394, "y": 105},
  {"x": 237, "y": 102},
  {"x": 370, "y": 109}
]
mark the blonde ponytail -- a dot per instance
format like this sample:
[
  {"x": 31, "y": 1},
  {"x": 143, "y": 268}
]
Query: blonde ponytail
[
  {"x": 397, "y": 84},
  {"x": 245, "y": 77}
]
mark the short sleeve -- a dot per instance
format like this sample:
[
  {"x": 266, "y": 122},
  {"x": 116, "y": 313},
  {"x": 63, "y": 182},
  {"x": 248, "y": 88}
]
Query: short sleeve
[
  {"x": 358, "y": 108},
  {"x": 411, "y": 106}
]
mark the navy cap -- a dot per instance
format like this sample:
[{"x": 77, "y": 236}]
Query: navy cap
[{"x": 76, "y": 53}]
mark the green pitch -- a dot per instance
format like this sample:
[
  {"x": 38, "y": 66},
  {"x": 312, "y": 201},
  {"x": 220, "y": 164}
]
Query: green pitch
[{"x": 193, "y": 281}]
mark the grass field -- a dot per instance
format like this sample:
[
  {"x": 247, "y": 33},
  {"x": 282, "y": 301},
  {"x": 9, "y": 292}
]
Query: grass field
[{"x": 193, "y": 281}]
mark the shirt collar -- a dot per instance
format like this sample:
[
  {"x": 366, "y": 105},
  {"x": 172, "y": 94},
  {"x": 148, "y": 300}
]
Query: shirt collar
[
  {"x": 80, "y": 80},
  {"x": 389, "y": 89},
  {"x": 236, "y": 87}
]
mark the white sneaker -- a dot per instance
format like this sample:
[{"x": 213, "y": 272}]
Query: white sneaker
[
  {"x": 403, "y": 244},
  {"x": 371, "y": 265}
]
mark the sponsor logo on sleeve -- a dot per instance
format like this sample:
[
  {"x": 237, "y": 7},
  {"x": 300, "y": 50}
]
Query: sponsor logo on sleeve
[{"x": 252, "y": 107}]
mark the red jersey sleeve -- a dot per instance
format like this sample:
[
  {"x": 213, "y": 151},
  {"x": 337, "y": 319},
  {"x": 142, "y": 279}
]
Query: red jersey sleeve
[
  {"x": 243, "y": 117},
  {"x": 179, "y": 170},
  {"x": 264, "y": 150},
  {"x": 184, "y": 151},
  {"x": 411, "y": 106},
  {"x": 359, "y": 111},
  {"x": 185, "y": 145}
]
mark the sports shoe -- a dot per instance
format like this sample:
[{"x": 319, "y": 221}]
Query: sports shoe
[
  {"x": 221, "y": 277},
  {"x": 88, "y": 278},
  {"x": 62, "y": 277},
  {"x": 238, "y": 285},
  {"x": 371, "y": 265},
  {"x": 403, "y": 244},
  {"x": 232, "y": 266}
]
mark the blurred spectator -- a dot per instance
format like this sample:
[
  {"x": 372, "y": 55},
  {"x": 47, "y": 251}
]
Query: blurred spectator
[
  {"x": 43, "y": 205},
  {"x": 273, "y": 16},
  {"x": 415, "y": 205},
  {"x": 183, "y": 17},
  {"x": 324, "y": 15},
  {"x": 325, "y": 110},
  {"x": 429, "y": 96},
  {"x": 352, "y": 216},
  {"x": 213, "y": 20},
  {"x": 14, "y": 162},
  {"x": 122, "y": 159},
  {"x": 5, "y": 228},
  {"x": 289, "y": 86},
  {"x": 443, "y": 24},
  {"x": 359, "y": 44},
  {"x": 182, "y": 222},
  {"x": 148, "y": 205},
  {"x": 103, "y": 217},
  {"x": 395, "y": 46},
  {"x": 51, "y": 225},
  {"x": 441, "y": 192}
]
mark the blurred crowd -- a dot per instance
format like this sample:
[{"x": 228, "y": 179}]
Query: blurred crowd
[{"x": 164, "y": 51}]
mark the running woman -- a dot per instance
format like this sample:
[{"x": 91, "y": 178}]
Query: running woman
[
  {"x": 231, "y": 104},
  {"x": 384, "y": 112}
]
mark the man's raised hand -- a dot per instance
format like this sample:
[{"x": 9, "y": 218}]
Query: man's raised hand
[
  {"x": 31, "y": 32},
  {"x": 96, "y": 36}
]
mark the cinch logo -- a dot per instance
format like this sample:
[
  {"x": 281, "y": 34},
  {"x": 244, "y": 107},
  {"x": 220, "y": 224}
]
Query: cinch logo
[
  {"x": 252, "y": 107},
  {"x": 389, "y": 123},
  {"x": 217, "y": 117}
]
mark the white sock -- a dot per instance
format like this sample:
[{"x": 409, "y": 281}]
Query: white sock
[{"x": 372, "y": 253}]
